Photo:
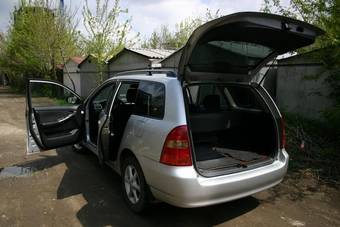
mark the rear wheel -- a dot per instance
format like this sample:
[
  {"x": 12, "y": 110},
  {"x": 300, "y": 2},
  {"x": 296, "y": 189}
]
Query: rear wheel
[{"x": 135, "y": 189}]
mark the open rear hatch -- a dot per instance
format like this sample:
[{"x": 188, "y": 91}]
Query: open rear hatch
[
  {"x": 234, "y": 127},
  {"x": 235, "y": 47}
]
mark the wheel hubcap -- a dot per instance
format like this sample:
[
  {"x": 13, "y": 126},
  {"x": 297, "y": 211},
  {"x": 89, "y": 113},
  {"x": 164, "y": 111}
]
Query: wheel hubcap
[{"x": 132, "y": 184}]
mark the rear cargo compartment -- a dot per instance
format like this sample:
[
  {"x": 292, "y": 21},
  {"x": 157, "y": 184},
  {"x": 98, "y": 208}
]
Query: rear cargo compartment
[{"x": 232, "y": 129}]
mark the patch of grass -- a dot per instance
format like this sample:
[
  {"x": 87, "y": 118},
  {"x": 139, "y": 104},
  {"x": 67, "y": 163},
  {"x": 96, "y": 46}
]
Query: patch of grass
[{"x": 16, "y": 90}]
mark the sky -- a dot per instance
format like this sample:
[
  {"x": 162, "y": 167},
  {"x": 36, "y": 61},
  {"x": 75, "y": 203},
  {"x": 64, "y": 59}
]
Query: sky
[{"x": 148, "y": 15}]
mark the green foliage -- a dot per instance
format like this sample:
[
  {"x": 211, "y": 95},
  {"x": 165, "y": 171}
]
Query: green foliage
[
  {"x": 107, "y": 34},
  {"x": 322, "y": 13},
  {"x": 164, "y": 38},
  {"x": 37, "y": 37},
  {"x": 49, "y": 94},
  {"x": 320, "y": 148},
  {"x": 326, "y": 15},
  {"x": 333, "y": 117}
]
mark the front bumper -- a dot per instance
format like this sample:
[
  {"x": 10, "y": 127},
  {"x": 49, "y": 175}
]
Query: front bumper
[{"x": 184, "y": 187}]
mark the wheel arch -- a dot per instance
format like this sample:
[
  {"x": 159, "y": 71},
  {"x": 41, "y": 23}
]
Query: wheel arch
[
  {"x": 127, "y": 152},
  {"x": 123, "y": 154}
]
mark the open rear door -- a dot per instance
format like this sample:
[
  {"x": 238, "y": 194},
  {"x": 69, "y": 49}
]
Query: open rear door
[
  {"x": 54, "y": 116},
  {"x": 235, "y": 47}
]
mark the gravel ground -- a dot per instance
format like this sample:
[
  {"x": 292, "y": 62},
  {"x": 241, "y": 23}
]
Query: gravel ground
[{"x": 69, "y": 189}]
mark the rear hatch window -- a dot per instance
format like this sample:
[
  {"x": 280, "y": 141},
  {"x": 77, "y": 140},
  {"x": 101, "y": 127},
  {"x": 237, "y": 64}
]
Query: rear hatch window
[
  {"x": 228, "y": 56},
  {"x": 235, "y": 47}
]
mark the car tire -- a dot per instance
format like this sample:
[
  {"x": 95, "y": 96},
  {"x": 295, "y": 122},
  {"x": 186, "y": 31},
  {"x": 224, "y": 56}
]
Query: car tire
[{"x": 135, "y": 189}]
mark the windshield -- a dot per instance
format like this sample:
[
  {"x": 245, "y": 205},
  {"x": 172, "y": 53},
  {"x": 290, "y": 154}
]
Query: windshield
[{"x": 228, "y": 56}]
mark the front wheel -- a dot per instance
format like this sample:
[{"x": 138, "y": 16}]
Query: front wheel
[{"x": 135, "y": 189}]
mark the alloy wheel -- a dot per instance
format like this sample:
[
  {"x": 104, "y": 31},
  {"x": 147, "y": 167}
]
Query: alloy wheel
[{"x": 132, "y": 184}]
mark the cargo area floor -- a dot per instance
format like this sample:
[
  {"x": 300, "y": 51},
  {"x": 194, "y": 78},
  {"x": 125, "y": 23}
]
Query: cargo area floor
[{"x": 210, "y": 157}]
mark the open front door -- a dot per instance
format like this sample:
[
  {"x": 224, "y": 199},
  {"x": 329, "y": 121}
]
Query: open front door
[{"x": 54, "y": 116}]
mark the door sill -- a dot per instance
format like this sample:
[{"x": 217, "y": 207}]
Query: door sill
[
  {"x": 91, "y": 147},
  {"x": 112, "y": 165}
]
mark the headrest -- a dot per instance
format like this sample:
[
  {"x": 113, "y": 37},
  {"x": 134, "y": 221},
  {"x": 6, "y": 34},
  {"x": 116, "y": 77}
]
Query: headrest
[
  {"x": 131, "y": 95},
  {"x": 212, "y": 103}
]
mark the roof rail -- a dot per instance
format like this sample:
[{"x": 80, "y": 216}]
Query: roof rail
[{"x": 147, "y": 72}]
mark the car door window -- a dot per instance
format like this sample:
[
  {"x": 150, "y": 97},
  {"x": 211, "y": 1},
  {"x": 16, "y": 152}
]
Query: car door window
[
  {"x": 100, "y": 101},
  {"x": 123, "y": 94},
  {"x": 49, "y": 94}
]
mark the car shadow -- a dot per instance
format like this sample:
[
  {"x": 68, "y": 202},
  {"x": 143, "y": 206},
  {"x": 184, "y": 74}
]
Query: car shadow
[{"x": 101, "y": 188}]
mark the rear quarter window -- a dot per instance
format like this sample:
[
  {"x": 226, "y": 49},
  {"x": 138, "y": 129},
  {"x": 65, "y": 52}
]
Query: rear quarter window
[
  {"x": 244, "y": 97},
  {"x": 150, "y": 99},
  {"x": 199, "y": 94}
]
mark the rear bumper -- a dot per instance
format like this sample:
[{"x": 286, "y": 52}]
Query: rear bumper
[{"x": 183, "y": 187}]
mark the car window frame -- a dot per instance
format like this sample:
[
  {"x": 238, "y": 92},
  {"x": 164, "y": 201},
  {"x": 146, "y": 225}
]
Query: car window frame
[
  {"x": 99, "y": 89},
  {"x": 29, "y": 91},
  {"x": 119, "y": 83}
]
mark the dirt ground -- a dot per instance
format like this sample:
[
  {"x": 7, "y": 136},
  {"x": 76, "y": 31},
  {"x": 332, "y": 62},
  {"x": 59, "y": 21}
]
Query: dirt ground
[{"x": 69, "y": 189}]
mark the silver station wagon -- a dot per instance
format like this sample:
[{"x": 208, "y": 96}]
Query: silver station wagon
[{"x": 204, "y": 134}]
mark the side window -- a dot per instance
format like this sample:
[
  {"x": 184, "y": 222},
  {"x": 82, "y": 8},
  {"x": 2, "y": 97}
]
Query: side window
[
  {"x": 193, "y": 91},
  {"x": 244, "y": 97},
  {"x": 150, "y": 99},
  {"x": 100, "y": 101},
  {"x": 127, "y": 93},
  {"x": 50, "y": 94},
  {"x": 206, "y": 94}
]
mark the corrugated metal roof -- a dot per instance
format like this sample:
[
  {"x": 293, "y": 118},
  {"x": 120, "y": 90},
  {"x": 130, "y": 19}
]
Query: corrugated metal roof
[
  {"x": 152, "y": 53},
  {"x": 85, "y": 58},
  {"x": 77, "y": 59},
  {"x": 172, "y": 54}
]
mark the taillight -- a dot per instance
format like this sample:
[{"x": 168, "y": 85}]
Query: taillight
[
  {"x": 283, "y": 134},
  {"x": 176, "y": 148}
]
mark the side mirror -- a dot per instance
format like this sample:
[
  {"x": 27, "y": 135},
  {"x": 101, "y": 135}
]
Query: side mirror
[{"x": 72, "y": 100}]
